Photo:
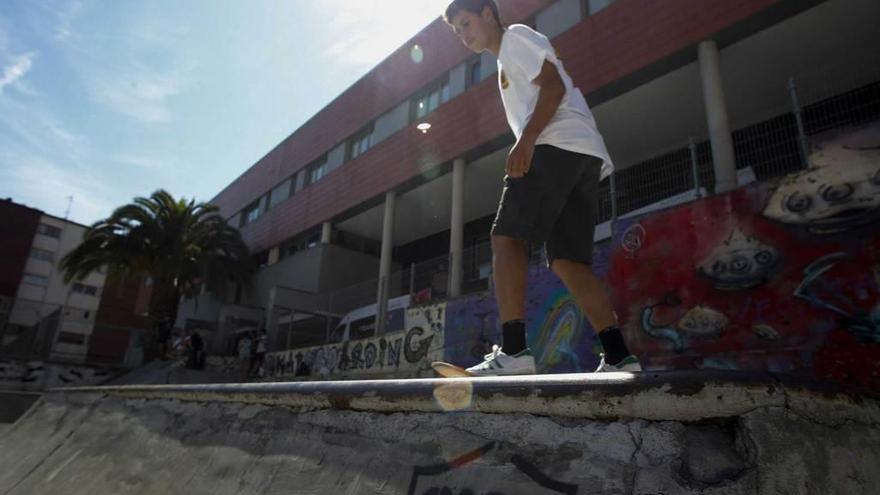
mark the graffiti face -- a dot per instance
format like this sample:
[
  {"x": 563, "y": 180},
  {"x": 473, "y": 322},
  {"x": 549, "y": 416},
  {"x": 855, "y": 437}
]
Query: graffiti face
[
  {"x": 703, "y": 321},
  {"x": 700, "y": 321},
  {"x": 840, "y": 191},
  {"x": 739, "y": 263}
]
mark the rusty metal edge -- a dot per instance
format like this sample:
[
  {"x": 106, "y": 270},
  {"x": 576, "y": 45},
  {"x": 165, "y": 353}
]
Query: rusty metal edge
[{"x": 685, "y": 395}]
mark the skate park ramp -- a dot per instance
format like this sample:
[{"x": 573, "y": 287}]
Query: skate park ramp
[{"x": 617, "y": 433}]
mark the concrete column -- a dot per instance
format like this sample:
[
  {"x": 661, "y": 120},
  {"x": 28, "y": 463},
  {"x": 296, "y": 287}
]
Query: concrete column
[
  {"x": 456, "y": 237},
  {"x": 716, "y": 118},
  {"x": 326, "y": 232},
  {"x": 385, "y": 261},
  {"x": 270, "y": 321}
]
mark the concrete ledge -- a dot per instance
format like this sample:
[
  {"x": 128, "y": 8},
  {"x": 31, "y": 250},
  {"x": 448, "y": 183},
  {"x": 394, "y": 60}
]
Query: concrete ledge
[{"x": 664, "y": 395}]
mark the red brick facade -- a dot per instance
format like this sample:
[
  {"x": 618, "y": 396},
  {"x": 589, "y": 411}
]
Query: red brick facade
[
  {"x": 617, "y": 41},
  {"x": 17, "y": 230}
]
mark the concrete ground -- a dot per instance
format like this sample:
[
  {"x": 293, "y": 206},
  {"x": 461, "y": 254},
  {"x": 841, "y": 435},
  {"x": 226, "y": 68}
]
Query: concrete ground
[{"x": 648, "y": 433}]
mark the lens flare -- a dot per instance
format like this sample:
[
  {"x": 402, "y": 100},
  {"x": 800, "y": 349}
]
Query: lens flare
[{"x": 416, "y": 54}]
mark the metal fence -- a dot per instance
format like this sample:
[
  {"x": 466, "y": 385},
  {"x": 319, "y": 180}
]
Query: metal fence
[
  {"x": 818, "y": 102},
  {"x": 35, "y": 330}
]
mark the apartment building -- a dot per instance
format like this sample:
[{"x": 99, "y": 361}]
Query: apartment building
[{"x": 43, "y": 314}]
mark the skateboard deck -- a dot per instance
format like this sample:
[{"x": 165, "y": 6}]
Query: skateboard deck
[{"x": 448, "y": 370}]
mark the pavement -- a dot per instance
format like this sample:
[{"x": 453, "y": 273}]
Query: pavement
[{"x": 683, "y": 432}]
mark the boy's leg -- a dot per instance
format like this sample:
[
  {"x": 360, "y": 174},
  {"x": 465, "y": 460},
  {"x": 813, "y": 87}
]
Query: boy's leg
[
  {"x": 569, "y": 256},
  {"x": 527, "y": 211},
  {"x": 510, "y": 261},
  {"x": 588, "y": 292}
]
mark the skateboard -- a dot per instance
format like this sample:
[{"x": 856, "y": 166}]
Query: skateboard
[{"x": 447, "y": 370}]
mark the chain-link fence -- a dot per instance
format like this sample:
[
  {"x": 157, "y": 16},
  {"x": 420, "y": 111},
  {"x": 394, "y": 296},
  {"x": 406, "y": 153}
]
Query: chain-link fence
[
  {"x": 35, "y": 330},
  {"x": 819, "y": 103}
]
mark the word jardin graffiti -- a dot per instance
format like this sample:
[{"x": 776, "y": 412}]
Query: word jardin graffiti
[{"x": 369, "y": 354}]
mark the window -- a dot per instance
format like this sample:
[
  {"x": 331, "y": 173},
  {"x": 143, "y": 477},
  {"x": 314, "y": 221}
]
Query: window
[
  {"x": 32, "y": 279},
  {"x": 89, "y": 290},
  {"x": 360, "y": 143},
  {"x": 433, "y": 97},
  {"x": 313, "y": 240},
  {"x": 41, "y": 254},
  {"x": 594, "y": 6},
  {"x": 71, "y": 338},
  {"x": 49, "y": 230},
  {"x": 475, "y": 69},
  {"x": 261, "y": 259},
  {"x": 362, "y": 328},
  {"x": 317, "y": 169},
  {"x": 251, "y": 213}
]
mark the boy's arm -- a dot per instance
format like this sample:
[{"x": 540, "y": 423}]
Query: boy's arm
[{"x": 549, "y": 97}]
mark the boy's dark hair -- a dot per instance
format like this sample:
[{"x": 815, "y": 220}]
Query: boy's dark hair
[{"x": 472, "y": 6}]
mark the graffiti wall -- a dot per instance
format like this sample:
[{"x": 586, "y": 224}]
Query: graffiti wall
[
  {"x": 405, "y": 353},
  {"x": 780, "y": 276},
  {"x": 558, "y": 333},
  {"x": 40, "y": 375},
  {"x": 775, "y": 276}
]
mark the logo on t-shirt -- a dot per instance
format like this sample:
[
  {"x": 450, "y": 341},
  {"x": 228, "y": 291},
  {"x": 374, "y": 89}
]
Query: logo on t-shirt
[{"x": 504, "y": 82}]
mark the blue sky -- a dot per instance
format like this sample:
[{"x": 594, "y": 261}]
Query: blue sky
[{"x": 106, "y": 100}]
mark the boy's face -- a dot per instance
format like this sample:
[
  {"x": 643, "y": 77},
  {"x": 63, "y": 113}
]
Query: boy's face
[{"x": 474, "y": 30}]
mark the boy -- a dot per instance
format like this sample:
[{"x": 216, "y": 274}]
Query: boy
[{"x": 549, "y": 196}]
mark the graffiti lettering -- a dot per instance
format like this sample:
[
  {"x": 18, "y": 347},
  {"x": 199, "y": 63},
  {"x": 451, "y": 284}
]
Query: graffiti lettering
[
  {"x": 369, "y": 354},
  {"x": 356, "y": 361},
  {"x": 413, "y": 355},
  {"x": 384, "y": 352},
  {"x": 394, "y": 352}
]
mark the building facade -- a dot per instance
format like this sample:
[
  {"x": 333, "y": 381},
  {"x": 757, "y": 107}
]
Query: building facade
[
  {"x": 365, "y": 202},
  {"x": 41, "y": 314}
]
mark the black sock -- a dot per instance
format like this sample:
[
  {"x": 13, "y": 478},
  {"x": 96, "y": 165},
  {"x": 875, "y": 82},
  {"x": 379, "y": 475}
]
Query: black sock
[
  {"x": 514, "y": 335},
  {"x": 615, "y": 347}
]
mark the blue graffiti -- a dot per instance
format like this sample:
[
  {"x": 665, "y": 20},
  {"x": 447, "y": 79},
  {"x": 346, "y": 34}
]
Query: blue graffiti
[
  {"x": 666, "y": 332},
  {"x": 864, "y": 325}
]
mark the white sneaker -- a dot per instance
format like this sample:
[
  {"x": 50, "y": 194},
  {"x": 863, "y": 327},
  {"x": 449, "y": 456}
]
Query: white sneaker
[
  {"x": 629, "y": 363},
  {"x": 497, "y": 363}
]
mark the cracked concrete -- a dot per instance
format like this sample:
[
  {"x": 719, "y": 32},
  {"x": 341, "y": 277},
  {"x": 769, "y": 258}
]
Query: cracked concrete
[{"x": 86, "y": 443}]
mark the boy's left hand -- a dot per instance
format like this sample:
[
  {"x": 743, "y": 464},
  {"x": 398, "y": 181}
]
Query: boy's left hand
[{"x": 520, "y": 159}]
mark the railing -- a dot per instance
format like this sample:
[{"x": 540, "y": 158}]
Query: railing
[{"x": 35, "y": 330}]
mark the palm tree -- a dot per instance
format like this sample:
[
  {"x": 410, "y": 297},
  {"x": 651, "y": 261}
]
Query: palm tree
[{"x": 179, "y": 244}]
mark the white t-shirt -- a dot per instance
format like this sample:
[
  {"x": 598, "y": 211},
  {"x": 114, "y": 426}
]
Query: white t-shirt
[{"x": 573, "y": 128}]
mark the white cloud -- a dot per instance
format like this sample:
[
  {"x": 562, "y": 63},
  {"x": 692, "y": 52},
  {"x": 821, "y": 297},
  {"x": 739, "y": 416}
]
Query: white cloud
[
  {"x": 45, "y": 184},
  {"x": 144, "y": 97},
  {"x": 134, "y": 73},
  {"x": 147, "y": 162},
  {"x": 16, "y": 70}
]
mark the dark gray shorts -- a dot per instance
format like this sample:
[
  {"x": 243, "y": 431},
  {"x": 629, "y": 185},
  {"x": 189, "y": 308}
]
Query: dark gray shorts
[{"x": 553, "y": 204}]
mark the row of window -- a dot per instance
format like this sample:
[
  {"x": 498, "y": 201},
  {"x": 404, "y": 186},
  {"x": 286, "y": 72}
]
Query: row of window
[
  {"x": 43, "y": 281},
  {"x": 42, "y": 255},
  {"x": 49, "y": 230},
  {"x": 420, "y": 106}
]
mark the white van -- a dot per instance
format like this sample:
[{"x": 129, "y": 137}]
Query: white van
[{"x": 361, "y": 323}]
